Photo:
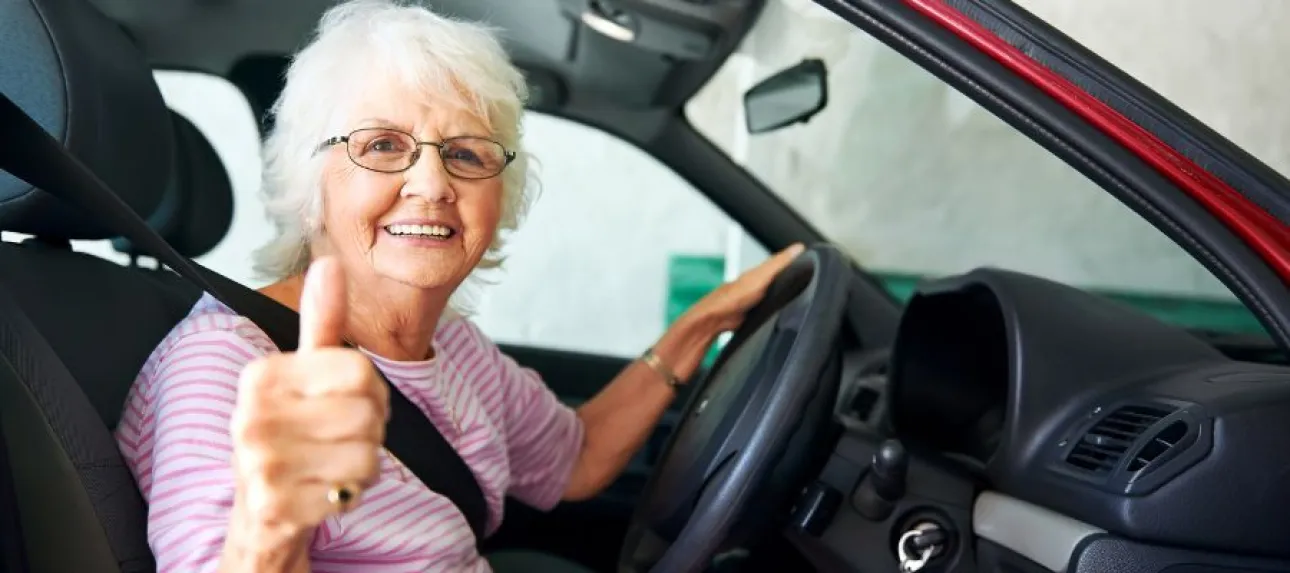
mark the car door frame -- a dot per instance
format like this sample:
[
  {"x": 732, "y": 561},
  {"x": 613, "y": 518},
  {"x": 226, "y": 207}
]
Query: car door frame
[{"x": 1129, "y": 140}]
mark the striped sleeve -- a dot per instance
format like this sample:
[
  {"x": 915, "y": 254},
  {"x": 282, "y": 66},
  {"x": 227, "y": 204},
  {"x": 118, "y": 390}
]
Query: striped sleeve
[
  {"x": 190, "y": 487},
  {"x": 543, "y": 435}
]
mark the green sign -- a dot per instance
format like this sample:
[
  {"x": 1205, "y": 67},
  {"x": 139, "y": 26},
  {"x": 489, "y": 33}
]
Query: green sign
[{"x": 690, "y": 278}]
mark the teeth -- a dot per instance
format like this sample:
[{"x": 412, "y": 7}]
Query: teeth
[{"x": 422, "y": 230}]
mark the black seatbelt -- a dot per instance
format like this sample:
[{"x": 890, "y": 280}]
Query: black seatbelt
[{"x": 28, "y": 152}]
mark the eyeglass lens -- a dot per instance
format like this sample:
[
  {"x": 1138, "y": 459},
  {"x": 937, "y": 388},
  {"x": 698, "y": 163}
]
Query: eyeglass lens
[{"x": 390, "y": 151}]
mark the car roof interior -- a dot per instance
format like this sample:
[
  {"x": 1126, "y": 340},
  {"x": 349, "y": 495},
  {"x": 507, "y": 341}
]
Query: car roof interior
[{"x": 580, "y": 56}]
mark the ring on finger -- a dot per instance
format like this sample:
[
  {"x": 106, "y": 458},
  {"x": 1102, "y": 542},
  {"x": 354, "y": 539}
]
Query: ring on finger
[{"x": 344, "y": 496}]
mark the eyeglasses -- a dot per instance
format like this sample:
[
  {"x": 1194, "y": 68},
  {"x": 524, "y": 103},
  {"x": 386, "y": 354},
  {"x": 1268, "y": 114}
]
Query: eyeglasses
[{"x": 392, "y": 151}]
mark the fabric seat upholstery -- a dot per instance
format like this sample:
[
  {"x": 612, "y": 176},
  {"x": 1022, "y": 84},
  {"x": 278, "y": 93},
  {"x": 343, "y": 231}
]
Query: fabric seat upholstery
[{"x": 76, "y": 329}]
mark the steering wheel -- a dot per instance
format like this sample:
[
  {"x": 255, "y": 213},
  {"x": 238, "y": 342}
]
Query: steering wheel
[{"x": 752, "y": 429}]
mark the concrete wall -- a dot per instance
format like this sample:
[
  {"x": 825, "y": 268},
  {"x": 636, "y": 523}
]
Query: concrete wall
[{"x": 1224, "y": 63}]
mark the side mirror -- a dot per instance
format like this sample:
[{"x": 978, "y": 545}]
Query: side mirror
[{"x": 793, "y": 95}]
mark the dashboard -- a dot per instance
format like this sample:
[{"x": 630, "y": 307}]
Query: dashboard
[{"x": 1043, "y": 428}]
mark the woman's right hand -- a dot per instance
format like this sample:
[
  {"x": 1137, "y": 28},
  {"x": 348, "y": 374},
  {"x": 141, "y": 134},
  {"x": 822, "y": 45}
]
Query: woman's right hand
[{"x": 306, "y": 422}]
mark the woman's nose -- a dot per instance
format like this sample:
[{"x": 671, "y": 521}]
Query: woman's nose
[{"x": 428, "y": 179}]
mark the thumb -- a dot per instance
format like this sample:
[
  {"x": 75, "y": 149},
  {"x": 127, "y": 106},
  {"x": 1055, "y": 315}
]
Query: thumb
[{"x": 323, "y": 305}]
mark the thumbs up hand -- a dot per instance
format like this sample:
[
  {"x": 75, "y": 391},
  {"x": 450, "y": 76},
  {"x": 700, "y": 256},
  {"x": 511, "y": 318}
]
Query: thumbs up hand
[{"x": 308, "y": 425}]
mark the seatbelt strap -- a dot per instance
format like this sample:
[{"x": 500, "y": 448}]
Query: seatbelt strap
[{"x": 30, "y": 153}]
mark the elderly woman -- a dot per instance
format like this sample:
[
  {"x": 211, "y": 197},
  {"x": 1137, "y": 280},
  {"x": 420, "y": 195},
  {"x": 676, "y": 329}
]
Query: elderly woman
[{"x": 393, "y": 170}]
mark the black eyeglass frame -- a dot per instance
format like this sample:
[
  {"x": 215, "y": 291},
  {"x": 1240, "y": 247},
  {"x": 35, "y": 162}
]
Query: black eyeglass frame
[{"x": 507, "y": 155}]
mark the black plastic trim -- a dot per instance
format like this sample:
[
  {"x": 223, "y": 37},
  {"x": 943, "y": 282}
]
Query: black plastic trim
[
  {"x": 1192, "y": 447},
  {"x": 1107, "y": 553},
  {"x": 684, "y": 81}
]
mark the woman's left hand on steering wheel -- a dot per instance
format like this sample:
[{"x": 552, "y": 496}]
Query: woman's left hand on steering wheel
[{"x": 724, "y": 308}]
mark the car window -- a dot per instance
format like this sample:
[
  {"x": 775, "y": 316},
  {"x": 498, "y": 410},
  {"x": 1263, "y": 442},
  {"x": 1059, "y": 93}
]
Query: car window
[
  {"x": 614, "y": 248},
  {"x": 220, "y": 111},
  {"x": 915, "y": 180}
]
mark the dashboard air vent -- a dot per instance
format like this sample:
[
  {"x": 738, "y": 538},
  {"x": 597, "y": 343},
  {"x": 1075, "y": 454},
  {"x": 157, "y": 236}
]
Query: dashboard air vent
[
  {"x": 1159, "y": 444},
  {"x": 1102, "y": 447}
]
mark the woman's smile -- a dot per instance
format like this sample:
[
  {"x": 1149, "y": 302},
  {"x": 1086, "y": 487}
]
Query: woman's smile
[{"x": 423, "y": 233}]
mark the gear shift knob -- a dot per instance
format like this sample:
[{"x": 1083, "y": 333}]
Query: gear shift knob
[
  {"x": 884, "y": 484},
  {"x": 889, "y": 466}
]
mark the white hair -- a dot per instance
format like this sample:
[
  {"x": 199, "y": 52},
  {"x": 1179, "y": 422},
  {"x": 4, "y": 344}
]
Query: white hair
[{"x": 364, "y": 43}]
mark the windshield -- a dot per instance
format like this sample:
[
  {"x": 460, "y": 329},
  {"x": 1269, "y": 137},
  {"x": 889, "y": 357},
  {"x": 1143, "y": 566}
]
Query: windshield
[{"x": 915, "y": 180}]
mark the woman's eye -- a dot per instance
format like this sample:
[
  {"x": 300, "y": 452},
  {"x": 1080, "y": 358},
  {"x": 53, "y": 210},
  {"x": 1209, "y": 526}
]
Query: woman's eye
[
  {"x": 462, "y": 154},
  {"x": 384, "y": 146}
]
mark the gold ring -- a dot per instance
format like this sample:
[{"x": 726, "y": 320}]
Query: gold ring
[{"x": 343, "y": 496}]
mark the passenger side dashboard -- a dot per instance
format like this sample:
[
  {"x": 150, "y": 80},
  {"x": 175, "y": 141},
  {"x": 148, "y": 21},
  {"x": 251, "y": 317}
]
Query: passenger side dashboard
[{"x": 1095, "y": 411}]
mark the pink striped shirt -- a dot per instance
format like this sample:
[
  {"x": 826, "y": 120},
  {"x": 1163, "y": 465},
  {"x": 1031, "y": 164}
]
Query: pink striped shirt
[{"x": 519, "y": 440}]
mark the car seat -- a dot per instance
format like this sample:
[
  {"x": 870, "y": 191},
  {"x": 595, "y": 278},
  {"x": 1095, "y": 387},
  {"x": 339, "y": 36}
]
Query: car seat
[
  {"x": 75, "y": 329},
  {"x": 196, "y": 208}
]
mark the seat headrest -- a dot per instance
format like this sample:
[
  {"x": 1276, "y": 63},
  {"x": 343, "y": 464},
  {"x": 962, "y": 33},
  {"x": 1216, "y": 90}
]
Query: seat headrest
[
  {"x": 196, "y": 208},
  {"x": 80, "y": 77}
]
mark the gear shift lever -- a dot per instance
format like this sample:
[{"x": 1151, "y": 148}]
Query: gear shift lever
[{"x": 884, "y": 484}]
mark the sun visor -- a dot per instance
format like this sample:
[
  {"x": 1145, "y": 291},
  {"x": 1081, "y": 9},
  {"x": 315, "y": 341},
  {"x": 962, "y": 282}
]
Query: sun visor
[{"x": 680, "y": 30}]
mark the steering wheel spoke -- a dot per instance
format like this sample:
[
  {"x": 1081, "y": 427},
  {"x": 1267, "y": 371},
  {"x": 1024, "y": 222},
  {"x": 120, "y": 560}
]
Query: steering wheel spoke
[{"x": 753, "y": 429}]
